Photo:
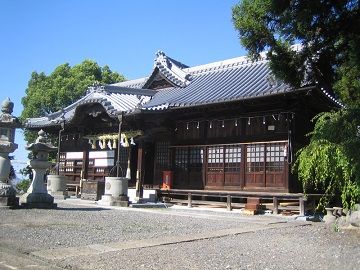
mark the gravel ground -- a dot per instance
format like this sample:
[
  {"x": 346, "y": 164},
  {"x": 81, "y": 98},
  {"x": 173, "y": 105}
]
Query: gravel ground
[
  {"x": 310, "y": 247},
  {"x": 300, "y": 247}
]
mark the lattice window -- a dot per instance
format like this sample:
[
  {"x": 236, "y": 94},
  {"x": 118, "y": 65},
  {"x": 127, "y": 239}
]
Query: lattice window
[
  {"x": 232, "y": 158},
  {"x": 181, "y": 158},
  {"x": 215, "y": 156},
  {"x": 255, "y": 157},
  {"x": 163, "y": 154},
  {"x": 196, "y": 157},
  {"x": 275, "y": 157}
]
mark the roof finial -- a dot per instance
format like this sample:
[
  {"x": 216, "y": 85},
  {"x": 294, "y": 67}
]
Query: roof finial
[{"x": 160, "y": 52}]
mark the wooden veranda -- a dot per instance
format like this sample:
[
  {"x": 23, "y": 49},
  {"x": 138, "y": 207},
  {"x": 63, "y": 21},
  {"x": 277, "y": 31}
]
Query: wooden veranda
[{"x": 277, "y": 202}]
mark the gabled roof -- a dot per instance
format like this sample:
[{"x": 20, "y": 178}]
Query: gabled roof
[
  {"x": 164, "y": 68},
  {"x": 219, "y": 82},
  {"x": 114, "y": 100},
  {"x": 169, "y": 69},
  {"x": 230, "y": 80},
  {"x": 224, "y": 81}
]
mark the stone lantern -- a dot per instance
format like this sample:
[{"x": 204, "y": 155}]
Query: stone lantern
[
  {"x": 37, "y": 195},
  {"x": 8, "y": 124}
]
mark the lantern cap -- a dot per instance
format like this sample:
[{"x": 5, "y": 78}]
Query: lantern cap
[{"x": 7, "y": 106}]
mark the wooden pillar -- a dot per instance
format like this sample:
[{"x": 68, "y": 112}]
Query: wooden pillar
[
  {"x": 228, "y": 203},
  {"x": 276, "y": 205},
  {"x": 85, "y": 165},
  {"x": 140, "y": 172},
  {"x": 189, "y": 200}
]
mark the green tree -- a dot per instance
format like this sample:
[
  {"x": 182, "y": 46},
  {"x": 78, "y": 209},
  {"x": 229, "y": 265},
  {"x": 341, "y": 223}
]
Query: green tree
[
  {"x": 66, "y": 84},
  {"x": 329, "y": 57},
  {"x": 327, "y": 30}
]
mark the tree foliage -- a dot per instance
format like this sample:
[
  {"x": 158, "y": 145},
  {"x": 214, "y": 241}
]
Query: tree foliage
[
  {"x": 66, "y": 84},
  {"x": 327, "y": 30},
  {"x": 331, "y": 162},
  {"x": 329, "y": 34},
  {"x": 23, "y": 185}
]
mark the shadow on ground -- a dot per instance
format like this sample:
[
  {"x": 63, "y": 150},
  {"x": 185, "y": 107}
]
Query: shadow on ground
[{"x": 87, "y": 209}]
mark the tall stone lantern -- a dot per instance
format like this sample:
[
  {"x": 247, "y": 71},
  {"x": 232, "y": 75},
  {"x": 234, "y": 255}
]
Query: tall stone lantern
[
  {"x": 8, "y": 124},
  {"x": 37, "y": 195}
]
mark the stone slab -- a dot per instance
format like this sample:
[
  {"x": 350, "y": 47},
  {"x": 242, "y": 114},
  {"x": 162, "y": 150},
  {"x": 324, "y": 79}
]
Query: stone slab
[{"x": 10, "y": 259}]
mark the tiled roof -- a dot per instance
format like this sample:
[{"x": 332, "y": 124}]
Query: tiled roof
[
  {"x": 113, "y": 98},
  {"x": 230, "y": 80},
  {"x": 170, "y": 69},
  {"x": 219, "y": 82},
  {"x": 137, "y": 83}
]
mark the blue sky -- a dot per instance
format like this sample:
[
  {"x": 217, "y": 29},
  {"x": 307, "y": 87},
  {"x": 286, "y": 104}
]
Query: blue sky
[{"x": 39, "y": 35}]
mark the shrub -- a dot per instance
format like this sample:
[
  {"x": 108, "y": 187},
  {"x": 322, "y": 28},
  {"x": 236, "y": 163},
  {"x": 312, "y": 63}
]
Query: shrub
[{"x": 23, "y": 185}]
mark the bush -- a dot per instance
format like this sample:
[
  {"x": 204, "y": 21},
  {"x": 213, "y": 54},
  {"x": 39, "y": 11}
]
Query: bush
[{"x": 23, "y": 185}]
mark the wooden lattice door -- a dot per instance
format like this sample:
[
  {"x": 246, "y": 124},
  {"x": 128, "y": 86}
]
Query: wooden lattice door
[
  {"x": 215, "y": 166},
  {"x": 232, "y": 166},
  {"x": 275, "y": 165},
  {"x": 255, "y": 165}
]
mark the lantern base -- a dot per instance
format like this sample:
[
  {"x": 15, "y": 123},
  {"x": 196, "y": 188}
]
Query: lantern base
[
  {"x": 37, "y": 200},
  {"x": 108, "y": 200},
  {"x": 9, "y": 202}
]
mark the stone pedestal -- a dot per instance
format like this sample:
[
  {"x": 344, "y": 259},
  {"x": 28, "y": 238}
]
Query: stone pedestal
[
  {"x": 354, "y": 218},
  {"x": 329, "y": 218},
  {"x": 9, "y": 201},
  {"x": 37, "y": 195},
  {"x": 252, "y": 206},
  {"x": 7, "y": 192},
  {"x": 8, "y": 124},
  {"x": 116, "y": 189},
  {"x": 56, "y": 186},
  {"x": 92, "y": 190}
]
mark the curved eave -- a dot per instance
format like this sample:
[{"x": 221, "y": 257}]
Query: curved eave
[
  {"x": 332, "y": 99},
  {"x": 113, "y": 103}
]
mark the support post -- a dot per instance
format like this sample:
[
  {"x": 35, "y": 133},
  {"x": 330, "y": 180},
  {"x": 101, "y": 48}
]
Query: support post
[
  {"x": 228, "y": 203},
  {"x": 62, "y": 128},
  {"x": 189, "y": 200},
  {"x": 302, "y": 206},
  {"x": 139, "y": 172},
  {"x": 120, "y": 118},
  {"x": 276, "y": 206}
]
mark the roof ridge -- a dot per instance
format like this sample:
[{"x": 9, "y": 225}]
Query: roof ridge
[
  {"x": 227, "y": 63},
  {"x": 130, "y": 82},
  {"x": 217, "y": 65}
]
